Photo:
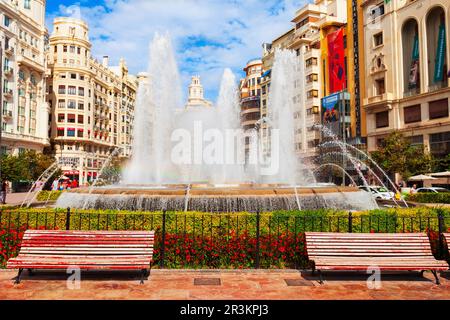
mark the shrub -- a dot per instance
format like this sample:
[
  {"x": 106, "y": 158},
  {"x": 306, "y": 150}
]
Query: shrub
[
  {"x": 45, "y": 195},
  {"x": 209, "y": 240},
  {"x": 430, "y": 197}
]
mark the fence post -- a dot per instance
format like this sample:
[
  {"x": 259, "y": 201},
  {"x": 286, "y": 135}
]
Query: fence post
[
  {"x": 441, "y": 231},
  {"x": 163, "y": 240},
  {"x": 350, "y": 222},
  {"x": 68, "y": 219},
  {"x": 257, "y": 240}
]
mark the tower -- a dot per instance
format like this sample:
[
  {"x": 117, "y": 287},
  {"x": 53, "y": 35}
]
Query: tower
[{"x": 196, "y": 98}]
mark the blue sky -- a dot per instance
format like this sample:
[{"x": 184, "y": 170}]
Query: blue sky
[{"x": 208, "y": 35}]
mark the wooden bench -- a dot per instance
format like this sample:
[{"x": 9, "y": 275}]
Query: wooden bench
[
  {"x": 86, "y": 250},
  {"x": 359, "y": 251}
]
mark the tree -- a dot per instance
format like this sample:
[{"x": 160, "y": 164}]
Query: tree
[
  {"x": 27, "y": 166},
  {"x": 398, "y": 155}
]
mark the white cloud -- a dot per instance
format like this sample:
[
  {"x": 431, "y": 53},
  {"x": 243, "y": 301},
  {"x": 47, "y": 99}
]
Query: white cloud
[{"x": 208, "y": 35}]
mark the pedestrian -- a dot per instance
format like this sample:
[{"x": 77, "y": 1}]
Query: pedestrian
[
  {"x": 3, "y": 192},
  {"x": 413, "y": 189},
  {"x": 55, "y": 185}
]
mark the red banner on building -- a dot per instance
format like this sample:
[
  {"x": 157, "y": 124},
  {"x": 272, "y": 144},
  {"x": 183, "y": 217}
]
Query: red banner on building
[{"x": 336, "y": 61}]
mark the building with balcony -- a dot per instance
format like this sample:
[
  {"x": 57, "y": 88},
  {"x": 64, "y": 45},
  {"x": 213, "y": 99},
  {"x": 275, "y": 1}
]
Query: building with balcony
[
  {"x": 92, "y": 104},
  {"x": 306, "y": 43},
  {"x": 281, "y": 42},
  {"x": 23, "y": 41},
  {"x": 250, "y": 91},
  {"x": 406, "y": 72}
]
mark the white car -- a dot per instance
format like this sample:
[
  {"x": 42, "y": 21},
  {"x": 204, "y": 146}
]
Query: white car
[
  {"x": 378, "y": 192},
  {"x": 432, "y": 190}
]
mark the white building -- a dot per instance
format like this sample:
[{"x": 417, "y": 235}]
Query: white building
[
  {"x": 195, "y": 98},
  {"x": 23, "y": 39}
]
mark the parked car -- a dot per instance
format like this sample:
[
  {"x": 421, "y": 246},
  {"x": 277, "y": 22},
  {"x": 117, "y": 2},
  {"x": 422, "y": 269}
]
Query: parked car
[
  {"x": 379, "y": 192},
  {"x": 432, "y": 190}
]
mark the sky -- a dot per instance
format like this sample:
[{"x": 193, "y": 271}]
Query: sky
[{"x": 208, "y": 35}]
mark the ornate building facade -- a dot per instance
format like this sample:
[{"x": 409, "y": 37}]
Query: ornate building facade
[
  {"x": 91, "y": 103},
  {"x": 23, "y": 40}
]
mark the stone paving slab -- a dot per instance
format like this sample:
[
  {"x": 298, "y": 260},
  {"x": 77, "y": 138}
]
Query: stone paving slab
[{"x": 234, "y": 285}]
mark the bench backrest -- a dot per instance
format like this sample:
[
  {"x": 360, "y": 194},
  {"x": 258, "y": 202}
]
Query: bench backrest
[
  {"x": 367, "y": 244},
  {"x": 86, "y": 243}
]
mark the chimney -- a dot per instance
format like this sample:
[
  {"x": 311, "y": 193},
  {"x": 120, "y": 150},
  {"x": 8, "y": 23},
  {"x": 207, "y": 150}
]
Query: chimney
[{"x": 105, "y": 61}]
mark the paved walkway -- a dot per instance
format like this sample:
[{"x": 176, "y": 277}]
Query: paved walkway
[
  {"x": 222, "y": 284},
  {"x": 13, "y": 199}
]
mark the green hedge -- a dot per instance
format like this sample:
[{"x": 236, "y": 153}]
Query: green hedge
[
  {"x": 430, "y": 197},
  {"x": 211, "y": 240},
  {"x": 48, "y": 195}
]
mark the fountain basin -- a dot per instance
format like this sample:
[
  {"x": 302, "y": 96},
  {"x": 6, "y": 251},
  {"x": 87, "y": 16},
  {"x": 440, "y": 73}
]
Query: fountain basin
[{"x": 223, "y": 198}]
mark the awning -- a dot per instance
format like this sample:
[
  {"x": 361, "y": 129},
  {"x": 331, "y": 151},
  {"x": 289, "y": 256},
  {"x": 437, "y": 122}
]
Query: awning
[
  {"x": 72, "y": 172},
  {"x": 421, "y": 177},
  {"x": 265, "y": 74}
]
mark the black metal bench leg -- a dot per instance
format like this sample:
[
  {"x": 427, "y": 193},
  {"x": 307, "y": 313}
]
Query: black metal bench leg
[
  {"x": 143, "y": 273},
  {"x": 320, "y": 276},
  {"x": 18, "y": 276},
  {"x": 436, "y": 277}
]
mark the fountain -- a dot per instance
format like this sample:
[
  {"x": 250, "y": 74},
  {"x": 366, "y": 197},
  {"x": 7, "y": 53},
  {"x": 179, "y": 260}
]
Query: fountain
[{"x": 194, "y": 159}]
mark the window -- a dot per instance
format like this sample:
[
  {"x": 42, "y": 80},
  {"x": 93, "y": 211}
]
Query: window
[
  {"x": 377, "y": 11},
  {"x": 412, "y": 114},
  {"x": 312, "y": 94},
  {"x": 378, "y": 39},
  {"x": 72, "y": 49},
  {"x": 7, "y": 21},
  {"x": 61, "y": 117},
  {"x": 60, "y": 132},
  {"x": 440, "y": 144},
  {"x": 78, "y": 50},
  {"x": 380, "y": 87},
  {"x": 311, "y": 62},
  {"x": 80, "y": 133},
  {"x": 313, "y": 77},
  {"x": 80, "y": 118},
  {"x": 62, "y": 89},
  {"x": 73, "y": 76},
  {"x": 71, "y": 118},
  {"x": 80, "y": 106},
  {"x": 56, "y": 49},
  {"x": 61, "y": 104},
  {"x": 27, "y": 4},
  {"x": 72, "y": 90},
  {"x": 382, "y": 119},
  {"x": 416, "y": 140},
  {"x": 81, "y": 91},
  {"x": 64, "y": 48},
  {"x": 71, "y": 132},
  {"x": 438, "y": 109},
  {"x": 72, "y": 104}
]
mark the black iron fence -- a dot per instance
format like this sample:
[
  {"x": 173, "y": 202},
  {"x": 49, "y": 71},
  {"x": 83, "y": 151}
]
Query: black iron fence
[{"x": 259, "y": 240}]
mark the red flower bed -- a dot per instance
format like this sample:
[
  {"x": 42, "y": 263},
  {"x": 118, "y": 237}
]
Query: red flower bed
[
  {"x": 10, "y": 239},
  {"x": 231, "y": 251}
]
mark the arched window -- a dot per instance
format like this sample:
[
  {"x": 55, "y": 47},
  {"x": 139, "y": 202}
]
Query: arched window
[
  {"x": 411, "y": 57},
  {"x": 436, "y": 48}
]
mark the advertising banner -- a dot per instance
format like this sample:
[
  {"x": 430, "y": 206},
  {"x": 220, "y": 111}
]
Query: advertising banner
[
  {"x": 440, "y": 55},
  {"x": 336, "y": 61},
  {"x": 330, "y": 108},
  {"x": 414, "y": 73}
]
